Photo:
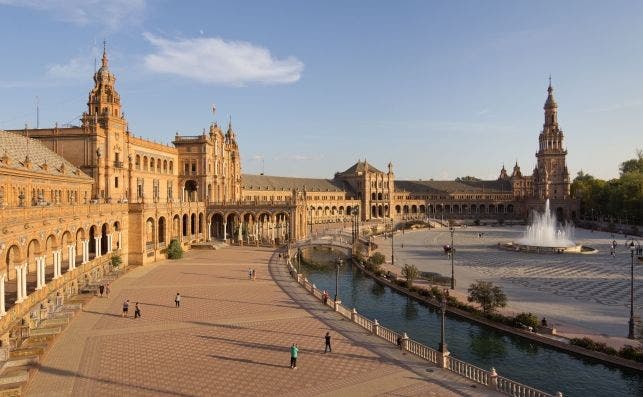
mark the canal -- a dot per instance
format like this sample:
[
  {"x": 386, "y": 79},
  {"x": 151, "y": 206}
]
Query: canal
[{"x": 513, "y": 357}]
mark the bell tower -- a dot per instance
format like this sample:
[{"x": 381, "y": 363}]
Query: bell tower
[
  {"x": 106, "y": 126},
  {"x": 551, "y": 177}
]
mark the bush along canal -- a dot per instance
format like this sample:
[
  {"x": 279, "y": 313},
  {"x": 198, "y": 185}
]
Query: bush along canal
[{"x": 513, "y": 357}]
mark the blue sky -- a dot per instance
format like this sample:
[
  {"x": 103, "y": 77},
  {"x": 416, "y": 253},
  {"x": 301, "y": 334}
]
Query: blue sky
[{"x": 441, "y": 89}]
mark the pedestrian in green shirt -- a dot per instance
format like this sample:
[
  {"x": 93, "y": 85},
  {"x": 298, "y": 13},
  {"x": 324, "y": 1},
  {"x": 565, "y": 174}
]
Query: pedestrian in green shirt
[{"x": 293, "y": 356}]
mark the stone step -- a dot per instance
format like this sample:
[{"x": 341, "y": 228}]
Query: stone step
[
  {"x": 12, "y": 389},
  {"x": 20, "y": 362},
  {"x": 54, "y": 330},
  {"x": 75, "y": 306},
  {"x": 27, "y": 351},
  {"x": 60, "y": 321},
  {"x": 68, "y": 314},
  {"x": 40, "y": 339},
  {"x": 14, "y": 376}
]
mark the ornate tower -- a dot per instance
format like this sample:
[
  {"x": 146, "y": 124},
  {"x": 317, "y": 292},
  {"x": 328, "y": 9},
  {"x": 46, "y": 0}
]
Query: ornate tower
[
  {"x": 233, "y": 172},
  {"x": 551, "y": 177},
  {"x": 104, "y": 121}
]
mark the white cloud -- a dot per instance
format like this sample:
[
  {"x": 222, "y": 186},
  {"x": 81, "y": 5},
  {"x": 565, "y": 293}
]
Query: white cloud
[
  {"x": 77, "y": 68},
  {"x": 213, "y": 60},
  {"x": 109, "y": 13}
]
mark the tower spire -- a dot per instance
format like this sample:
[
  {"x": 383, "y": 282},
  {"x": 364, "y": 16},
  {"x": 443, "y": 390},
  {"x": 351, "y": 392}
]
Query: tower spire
[{"x": 104, "y": 53}]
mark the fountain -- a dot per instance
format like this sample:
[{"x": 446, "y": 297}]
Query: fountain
[{"x": 545, "y": 234}]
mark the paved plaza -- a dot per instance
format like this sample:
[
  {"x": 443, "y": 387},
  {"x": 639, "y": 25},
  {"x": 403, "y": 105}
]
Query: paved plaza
[
  {"x": 580, "y": 294},
  {"x": 231, "y": 336}
]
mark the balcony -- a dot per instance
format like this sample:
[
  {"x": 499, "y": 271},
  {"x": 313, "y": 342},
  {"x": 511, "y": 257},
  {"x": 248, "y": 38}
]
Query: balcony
[{"x": 118, "y": 164}]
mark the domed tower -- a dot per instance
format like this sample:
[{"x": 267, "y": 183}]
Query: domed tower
[
  {"x": 551, "y": 178},
  {"x": 104, "y": 123}
]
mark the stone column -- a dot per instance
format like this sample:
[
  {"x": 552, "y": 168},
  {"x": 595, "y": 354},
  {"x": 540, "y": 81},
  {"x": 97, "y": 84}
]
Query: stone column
[
  {"x": 241, "y": 233},
  {"x": 71, "y": 252},
  {"x": 97, "y": 246},
  {"x": 25, "y": 268},
  {"x": 39, "y": 271},
  {"x": 109, "y": 243},
  {"x": 85, "y": 244},
  {"x": 3, "y": 278},
  {"x": 59, "y": 265},
  {"x": 55, "y": 260},
  {"x": 19, "y": 284},
  {"x": 209, "y": 231},
  {"x": 225, "y": 226}
]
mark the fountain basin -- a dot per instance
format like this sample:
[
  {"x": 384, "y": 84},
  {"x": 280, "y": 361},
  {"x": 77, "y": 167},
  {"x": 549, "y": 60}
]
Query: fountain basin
[{"x": 544, "y": 249}]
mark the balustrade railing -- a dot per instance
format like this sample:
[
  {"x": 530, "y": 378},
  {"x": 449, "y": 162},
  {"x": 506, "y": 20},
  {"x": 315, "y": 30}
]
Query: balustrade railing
[
  {"x": 462, "y": 368},
  {"x": 469, "y": 371}
]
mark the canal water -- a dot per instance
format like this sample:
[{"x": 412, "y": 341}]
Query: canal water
[{"x": 513, "y": 357}]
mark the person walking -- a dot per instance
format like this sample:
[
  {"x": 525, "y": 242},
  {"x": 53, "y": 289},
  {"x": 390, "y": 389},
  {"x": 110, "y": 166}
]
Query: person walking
[
  {"x": 101, "y": 288},
  {"x": 254, "y": 274},
  {"x": 249, "y": 274},
  {"x": 177, "y": 300},
  {"x": 294, "y": 351},
  {"x": 107, "y": 290},
  {"x": 327, "y": 346},
  {"x": 137, "y": 311},
  {"x": 125, "y": 308}
]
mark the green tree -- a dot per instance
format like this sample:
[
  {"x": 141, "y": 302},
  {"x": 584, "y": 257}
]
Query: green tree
[
  {"x": 116, "y": 260},
  {"x": 487, "y": 295},
  {"x": 410, "y": 272},
  {"x": 377, "y": 259},
  {"x": 174, "y": 250},
  {"x": 632, "y": 165}
]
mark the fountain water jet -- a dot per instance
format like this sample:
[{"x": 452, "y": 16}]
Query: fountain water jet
[
  {"x": 545, "y": 234},
  {"x": 545, "y": 231}
]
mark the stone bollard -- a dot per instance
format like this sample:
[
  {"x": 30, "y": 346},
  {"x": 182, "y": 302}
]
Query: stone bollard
[
  {"x": 353, "y": 314},
  {"x": 405, "y": 341},
  {"x": 337, "y": 303},
  {"x": 376, "y": 328},
  {"x": 312, "y": 289},
  {"x": 298, "y": 278},
  {"x": 493, "y": 379}
]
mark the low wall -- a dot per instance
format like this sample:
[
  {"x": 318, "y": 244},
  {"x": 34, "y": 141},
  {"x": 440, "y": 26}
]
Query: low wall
[{"x": 67, "y": 285}]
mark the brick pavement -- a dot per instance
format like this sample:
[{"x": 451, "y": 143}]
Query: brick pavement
[{"x": 231, "y": 336}]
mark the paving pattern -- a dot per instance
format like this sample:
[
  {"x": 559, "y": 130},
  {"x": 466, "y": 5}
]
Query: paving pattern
[
  {"x": 578, "y": 291},
  {"x": 231, "y": 336}
]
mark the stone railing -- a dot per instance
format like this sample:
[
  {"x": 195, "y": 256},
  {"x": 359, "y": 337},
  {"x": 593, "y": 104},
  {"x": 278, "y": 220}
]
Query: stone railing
[
  {"x": 481, "y": 376},
  {"x": 69, "y": 282},
  {"x": 25, "y": 214}
]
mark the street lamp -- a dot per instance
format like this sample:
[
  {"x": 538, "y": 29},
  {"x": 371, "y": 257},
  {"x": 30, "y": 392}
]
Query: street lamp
[
  {"x": 452, "y": 230},
  {"x": 355, "y": 213},
  {"x": 338, "y": 265},
  {"x": 635, "y": 248},
  {"x": 392, "y": 243},
  {"x": 443, "y": 344}
]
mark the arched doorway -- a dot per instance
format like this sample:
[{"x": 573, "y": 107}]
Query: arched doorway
[
  {"x": 104, "y": 246},
  {"x": 217, "y": 226},
  {"x": 162, "y": 232},
  {"x": 185, "y": 225},
  {"x": 190, "y": 190}
]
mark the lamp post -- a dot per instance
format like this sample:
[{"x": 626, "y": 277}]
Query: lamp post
[
  {"x": 355, "y": 212},
  {"x": 452, "y": 230},
  {"x": 443, "y": 344},
  {"x": 635, "y": 248},
  {"x": 392, "y": 243},
  {"x": 338, "y": 265}
]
